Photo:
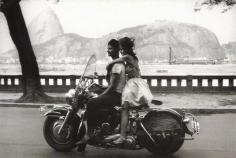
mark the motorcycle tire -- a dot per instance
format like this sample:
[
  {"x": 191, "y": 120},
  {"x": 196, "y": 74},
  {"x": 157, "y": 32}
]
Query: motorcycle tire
[
  {"x": 64, "y": 142},
  {"x": 156, "y": 125}
]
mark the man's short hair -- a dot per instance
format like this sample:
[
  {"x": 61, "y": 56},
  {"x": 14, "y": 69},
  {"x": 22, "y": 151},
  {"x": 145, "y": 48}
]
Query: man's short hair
[{"x": 114, "y": 43}]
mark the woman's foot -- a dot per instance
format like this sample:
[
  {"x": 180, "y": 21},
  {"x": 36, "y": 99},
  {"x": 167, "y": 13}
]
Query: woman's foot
[
  {"x": 118, "y": 141},
  {"x": 111, "y": 138}
]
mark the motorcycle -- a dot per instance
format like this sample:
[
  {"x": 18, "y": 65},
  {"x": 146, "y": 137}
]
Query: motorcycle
[{"x": 161, "y": 131}]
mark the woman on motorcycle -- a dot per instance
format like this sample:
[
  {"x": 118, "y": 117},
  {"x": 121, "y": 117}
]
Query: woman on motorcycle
[
  {"x": 110, "y": 97},
  {"x": 136, "y": 91}
]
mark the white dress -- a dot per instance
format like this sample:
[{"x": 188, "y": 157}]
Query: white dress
[{"x": 136, "y": 91}]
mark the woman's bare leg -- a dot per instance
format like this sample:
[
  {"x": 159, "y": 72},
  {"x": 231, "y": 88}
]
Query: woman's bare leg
[{"x": 124, "y": 123}]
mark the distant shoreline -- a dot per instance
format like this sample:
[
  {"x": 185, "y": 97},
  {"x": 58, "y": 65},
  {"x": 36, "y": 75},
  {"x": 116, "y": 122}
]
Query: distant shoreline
[{"x": 146, "y": 69}]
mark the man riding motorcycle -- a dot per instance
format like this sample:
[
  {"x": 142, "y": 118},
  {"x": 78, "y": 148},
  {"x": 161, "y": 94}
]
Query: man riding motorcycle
[
  {"x": 160, "y": 130},
  {"x": 98, "y": 108}
]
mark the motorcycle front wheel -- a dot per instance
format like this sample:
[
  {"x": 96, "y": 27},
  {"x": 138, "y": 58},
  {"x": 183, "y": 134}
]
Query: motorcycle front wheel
[
  {"x": 167, "y": 132},
  {"x": 63, "y": 142}
]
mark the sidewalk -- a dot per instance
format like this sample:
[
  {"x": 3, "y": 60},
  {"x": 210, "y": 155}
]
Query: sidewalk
[{"x": 194, "y": 102}]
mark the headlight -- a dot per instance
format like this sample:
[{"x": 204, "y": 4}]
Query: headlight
[
  {"x": 70, "y": 93},
  {"x": 93, "y": 95}
]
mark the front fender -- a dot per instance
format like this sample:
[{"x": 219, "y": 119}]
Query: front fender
[
  {"x": 56, "y": 113},
  {"x": 59, "y": 112},
  {"x": 54, "y": 110}
]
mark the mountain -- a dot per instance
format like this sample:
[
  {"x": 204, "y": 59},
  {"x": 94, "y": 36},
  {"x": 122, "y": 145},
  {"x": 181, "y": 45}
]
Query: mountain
[
  {"x": 230, "y": 48},
  {"x": 64, "y": 48},
  {"x": 230, "y": 51},
  {"x": 5, "y": 39},
  {"x": 44, "y": 27},
  {"x": 152, "y": 44},
  {"x": 153, "y": 41}
]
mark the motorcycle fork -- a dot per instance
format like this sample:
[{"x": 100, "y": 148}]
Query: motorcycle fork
[
  {"x": 67, "y": 118},
  {"x": 83, "y": 122}
]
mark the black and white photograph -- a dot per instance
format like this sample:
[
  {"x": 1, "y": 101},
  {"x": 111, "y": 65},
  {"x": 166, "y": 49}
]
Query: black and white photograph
[{"x": 117, "y": 78}]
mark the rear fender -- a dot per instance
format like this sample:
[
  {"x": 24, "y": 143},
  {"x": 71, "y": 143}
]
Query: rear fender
[
  {"x": 172, "y": 112},
  {"x": 180, "y": 118},
  {"x": 146, "y": 127}
]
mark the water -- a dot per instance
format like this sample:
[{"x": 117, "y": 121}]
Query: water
[{"x": 159, "y": 70}]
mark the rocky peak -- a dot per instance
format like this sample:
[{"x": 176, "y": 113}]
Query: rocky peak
[{"x": 44, "y": 27}]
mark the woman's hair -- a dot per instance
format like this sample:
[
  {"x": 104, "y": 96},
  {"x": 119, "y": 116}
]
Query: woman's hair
[
  {"x": 114, "y": 43},
  {"x": 128, "y": 44}
]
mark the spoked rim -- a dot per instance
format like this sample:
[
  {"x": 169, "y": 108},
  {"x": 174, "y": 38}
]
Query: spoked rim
[{"x": 65, "y": 137}]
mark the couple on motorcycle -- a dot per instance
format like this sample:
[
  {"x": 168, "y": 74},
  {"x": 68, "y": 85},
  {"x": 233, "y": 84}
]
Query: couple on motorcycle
[{"x": 125, "y": 88}]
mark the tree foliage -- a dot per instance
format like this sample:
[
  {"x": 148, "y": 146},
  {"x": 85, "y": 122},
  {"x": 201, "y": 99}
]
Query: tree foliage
[{"x": 226, "y": 4}]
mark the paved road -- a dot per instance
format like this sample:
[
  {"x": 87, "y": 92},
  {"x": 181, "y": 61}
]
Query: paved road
[{"x": 21, "y": 137}]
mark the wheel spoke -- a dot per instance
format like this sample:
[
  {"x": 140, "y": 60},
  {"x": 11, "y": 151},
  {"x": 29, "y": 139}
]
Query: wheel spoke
[{"x": 64, "y": 141}]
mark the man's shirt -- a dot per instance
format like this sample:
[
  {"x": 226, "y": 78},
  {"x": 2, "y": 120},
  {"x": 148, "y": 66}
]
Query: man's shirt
[{"x": 119, "y": 68}]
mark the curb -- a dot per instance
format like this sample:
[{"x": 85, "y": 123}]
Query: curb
[
  {"x": 22, "y": 105},
  {"x": 192, "y": 110},
  {"x": 208, "y": 111}
]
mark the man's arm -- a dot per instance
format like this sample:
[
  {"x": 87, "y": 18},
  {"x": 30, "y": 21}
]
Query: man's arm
[
  {"x": 113, "y": 83},
  {"x": 122, "y": 59}
]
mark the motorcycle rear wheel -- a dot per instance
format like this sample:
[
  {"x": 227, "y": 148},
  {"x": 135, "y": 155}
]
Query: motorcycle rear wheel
[
  {"x": 167, "y": 132},
  {"x": 64, "y": 142}
]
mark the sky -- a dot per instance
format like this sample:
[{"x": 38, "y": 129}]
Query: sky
[{"x": 95, "y": 18}]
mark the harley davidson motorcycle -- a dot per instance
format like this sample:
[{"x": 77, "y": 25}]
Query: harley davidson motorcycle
[{"x": 161, "y": 131}]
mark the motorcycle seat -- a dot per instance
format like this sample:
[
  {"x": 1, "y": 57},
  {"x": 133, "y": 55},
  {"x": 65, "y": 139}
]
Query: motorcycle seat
[
  {"x": 140, "y": 107},
  {"x": 137, "y": 108}
]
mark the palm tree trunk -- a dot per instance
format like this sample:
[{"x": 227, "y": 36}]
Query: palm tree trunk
[{"x": 32, "y": 89}]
